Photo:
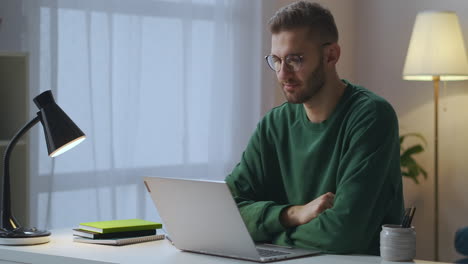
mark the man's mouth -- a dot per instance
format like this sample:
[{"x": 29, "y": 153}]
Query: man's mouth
[{"x": 290, "y": 87}]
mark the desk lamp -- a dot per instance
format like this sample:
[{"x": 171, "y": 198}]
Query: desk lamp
[
  {"x": 436, "y": 53},
  {"x": 61, "y": 134}
]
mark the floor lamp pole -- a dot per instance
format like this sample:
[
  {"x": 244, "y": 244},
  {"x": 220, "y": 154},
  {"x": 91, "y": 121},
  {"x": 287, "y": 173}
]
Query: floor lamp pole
[{"x": 436, "y": 80}]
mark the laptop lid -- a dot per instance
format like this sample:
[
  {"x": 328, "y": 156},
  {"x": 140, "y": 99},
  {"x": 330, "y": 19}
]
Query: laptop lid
[{"x": 201, "y": 216}]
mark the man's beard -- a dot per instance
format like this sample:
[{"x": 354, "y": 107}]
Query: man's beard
[{"x": 310, "y": 87}]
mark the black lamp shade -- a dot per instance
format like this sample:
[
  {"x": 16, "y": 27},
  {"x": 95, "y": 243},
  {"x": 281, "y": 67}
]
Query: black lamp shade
[{"x": 60, "y": 131}]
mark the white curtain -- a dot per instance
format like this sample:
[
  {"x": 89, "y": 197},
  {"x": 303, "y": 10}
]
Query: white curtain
[{"x": 160, "y": 88}]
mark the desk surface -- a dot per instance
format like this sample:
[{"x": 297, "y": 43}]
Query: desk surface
[{"x": 61, "y": 249}]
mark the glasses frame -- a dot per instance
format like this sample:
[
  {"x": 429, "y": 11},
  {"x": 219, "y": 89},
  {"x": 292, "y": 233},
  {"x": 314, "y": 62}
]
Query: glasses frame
[
  {"x": 283, "y": 59},
  {"x": 301, "y": 57}
]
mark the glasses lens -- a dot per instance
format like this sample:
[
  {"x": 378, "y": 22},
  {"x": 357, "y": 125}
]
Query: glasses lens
[
  {"x": 294, "y": 62},
  {"x": 274, "y": 62}
]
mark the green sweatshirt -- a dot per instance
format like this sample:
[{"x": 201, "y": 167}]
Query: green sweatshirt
[{"x": 292, "y": 161}]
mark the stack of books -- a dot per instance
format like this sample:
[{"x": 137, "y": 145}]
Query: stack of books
[{"x": 117, "y": 232}]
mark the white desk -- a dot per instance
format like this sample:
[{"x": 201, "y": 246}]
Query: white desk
[{"x": 61, "y": 249}]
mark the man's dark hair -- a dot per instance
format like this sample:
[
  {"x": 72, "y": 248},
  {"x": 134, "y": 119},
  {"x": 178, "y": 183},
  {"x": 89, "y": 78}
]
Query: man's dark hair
[{"x": 301, "y": 14}]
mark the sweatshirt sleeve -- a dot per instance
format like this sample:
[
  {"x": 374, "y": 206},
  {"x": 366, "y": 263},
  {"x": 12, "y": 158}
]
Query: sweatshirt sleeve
[
  {"x": 369, "y": 175},
  {"x": 260, "y": 215}
]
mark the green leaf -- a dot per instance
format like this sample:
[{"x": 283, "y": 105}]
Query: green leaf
[
  {"x": 418, "y": 135},
  {"x": 409, "y": 167},
  {"x": 413, "y": 150},
  {"x": 413, "y": 167}
]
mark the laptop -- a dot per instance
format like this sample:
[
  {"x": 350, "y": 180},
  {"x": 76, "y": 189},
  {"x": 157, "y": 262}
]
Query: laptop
[{"x": 202, "y": 216}]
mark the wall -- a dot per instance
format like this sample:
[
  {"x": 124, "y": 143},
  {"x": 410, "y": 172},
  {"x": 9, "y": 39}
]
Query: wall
[
  {"x": 14, "y": 88},
  {"x": 12, "y": 25},
  {"x": 384, "y": 30}
]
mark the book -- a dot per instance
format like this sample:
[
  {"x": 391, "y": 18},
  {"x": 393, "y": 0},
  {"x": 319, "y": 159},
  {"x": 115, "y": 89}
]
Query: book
[
  {"x": 96, "y": 235},
  {"x": 118, "y": 241},
  {"x": 113, "y": 226}
]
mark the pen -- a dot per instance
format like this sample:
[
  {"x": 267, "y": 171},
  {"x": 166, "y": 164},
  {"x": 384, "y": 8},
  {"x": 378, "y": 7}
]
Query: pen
[
  {"x": 411, "y": 216},
  {"x": 405, "y": 217},
  {"x": 408, "y": 218}
]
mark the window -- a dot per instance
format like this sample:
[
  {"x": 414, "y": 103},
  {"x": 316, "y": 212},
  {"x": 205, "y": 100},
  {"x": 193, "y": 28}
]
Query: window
[{"x": 156, "y": 87}]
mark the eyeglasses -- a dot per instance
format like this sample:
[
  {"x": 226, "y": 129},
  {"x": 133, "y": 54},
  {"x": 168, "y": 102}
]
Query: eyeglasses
[{"x": 292, "y": 62}]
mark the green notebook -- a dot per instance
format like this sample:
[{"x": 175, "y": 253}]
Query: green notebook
[{"x": 112, "y": 226}]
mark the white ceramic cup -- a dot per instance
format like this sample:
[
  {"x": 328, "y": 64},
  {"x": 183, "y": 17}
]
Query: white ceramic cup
[{"x": 397, "y": 243}]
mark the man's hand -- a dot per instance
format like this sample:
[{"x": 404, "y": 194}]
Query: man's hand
[{"x": 302, "y": 214}]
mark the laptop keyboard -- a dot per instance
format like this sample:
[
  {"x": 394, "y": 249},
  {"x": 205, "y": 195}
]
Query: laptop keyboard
[{"x": 271, "y": 253}]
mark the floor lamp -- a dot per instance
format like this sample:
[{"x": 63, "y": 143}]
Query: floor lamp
[{"x": 436, "y": 53}]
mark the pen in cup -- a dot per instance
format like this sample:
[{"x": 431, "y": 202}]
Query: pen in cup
[
  {"x": 408, "y": 218},
  {"x": 392, "y": 237}
]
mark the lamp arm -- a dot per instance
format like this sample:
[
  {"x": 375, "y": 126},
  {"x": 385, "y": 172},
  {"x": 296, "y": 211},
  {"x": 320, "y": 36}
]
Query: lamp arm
[{"x": 8, "y": 222}]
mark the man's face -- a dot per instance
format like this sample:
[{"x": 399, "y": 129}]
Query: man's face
[{"x": 299, "y": 86}]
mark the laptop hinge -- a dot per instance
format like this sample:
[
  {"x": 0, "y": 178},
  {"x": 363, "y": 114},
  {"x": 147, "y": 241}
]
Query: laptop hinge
[{"x": 147, "y": 187}]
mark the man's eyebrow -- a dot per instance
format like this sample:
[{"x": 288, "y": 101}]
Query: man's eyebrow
[
  {"x": 296, "y": 54},
  {"x": 290, "y": 54}
]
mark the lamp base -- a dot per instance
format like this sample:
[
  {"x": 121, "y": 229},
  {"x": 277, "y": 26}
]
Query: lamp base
[{"x": 23, "y": 236}]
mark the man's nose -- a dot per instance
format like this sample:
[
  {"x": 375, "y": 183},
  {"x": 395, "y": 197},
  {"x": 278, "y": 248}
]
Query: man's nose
[{"x": 284, "y": 73}]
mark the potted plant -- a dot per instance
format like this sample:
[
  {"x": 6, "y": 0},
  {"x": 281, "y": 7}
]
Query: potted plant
[{"x": 409, "y": 166}]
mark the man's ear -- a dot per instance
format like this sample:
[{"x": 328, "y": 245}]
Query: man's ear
[{"x": 332, "y": 53}]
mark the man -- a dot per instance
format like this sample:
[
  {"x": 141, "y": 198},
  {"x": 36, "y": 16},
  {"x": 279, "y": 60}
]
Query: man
[{"x": 321, "y": 171}]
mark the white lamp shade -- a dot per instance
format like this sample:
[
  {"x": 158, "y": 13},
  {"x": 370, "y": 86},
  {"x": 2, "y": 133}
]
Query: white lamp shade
[{"x": 436, "y": 48}]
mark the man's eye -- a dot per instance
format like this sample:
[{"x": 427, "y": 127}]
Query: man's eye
[
  {"x": 276, "y": 60},
  {"x": 293, "y": 59}
]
